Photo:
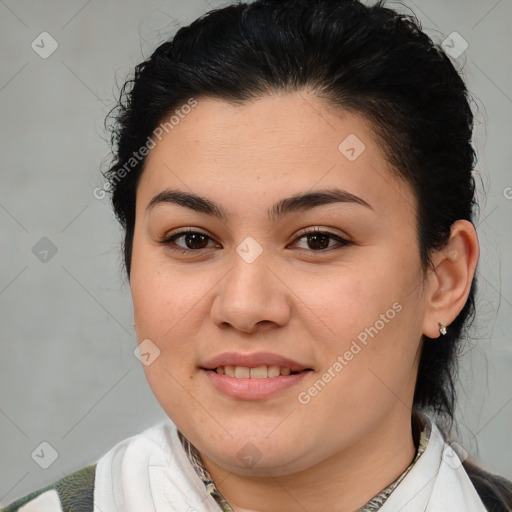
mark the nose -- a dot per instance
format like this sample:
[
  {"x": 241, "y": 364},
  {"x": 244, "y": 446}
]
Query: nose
[{"x": 251, "y": 297}]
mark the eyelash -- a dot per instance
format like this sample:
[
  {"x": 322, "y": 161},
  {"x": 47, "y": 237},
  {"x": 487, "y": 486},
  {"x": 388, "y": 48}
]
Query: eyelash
[{"x": 168, "y": 241}]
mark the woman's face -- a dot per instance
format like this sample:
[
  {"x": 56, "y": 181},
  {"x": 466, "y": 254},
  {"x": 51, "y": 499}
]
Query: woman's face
[{"x": 252, "y": 292}]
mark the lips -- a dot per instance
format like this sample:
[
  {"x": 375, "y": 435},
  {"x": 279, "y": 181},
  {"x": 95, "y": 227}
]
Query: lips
[{"x": 253, "y": 376}]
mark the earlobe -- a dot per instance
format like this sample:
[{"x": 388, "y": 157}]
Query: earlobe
[{"x": 451, "y": 278}]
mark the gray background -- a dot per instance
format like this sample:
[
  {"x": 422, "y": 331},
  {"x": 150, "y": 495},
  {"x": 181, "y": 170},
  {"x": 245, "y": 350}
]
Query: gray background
[{"x": 68, "y": 373}]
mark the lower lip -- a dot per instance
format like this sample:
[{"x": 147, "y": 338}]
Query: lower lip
[{"x": 253, "y": 389}]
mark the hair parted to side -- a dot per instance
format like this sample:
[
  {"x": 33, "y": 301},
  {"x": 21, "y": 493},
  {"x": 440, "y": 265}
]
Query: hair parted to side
[{"x": 369, "y": 60}]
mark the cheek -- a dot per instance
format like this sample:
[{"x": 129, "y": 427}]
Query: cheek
[
  {"x": 157, "y": 311},
  {"x": 370, "y": 315},
  {"x": 351, "y": 297},
  {"x": 166, "y": 305},
  {"x": 164, "y": 295}
]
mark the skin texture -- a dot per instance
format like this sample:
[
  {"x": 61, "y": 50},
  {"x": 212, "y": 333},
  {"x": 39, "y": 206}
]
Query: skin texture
[{"x": 354, "y": 436}]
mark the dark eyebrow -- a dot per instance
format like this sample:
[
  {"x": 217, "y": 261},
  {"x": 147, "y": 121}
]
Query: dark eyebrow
[{"x": 296, "y": 203}]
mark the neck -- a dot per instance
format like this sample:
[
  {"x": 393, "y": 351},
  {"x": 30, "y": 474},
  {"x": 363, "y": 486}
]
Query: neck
[{"x": 345, "y": 481}]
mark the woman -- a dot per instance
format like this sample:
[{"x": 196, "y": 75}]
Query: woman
[{"x": 295, "y": 183}]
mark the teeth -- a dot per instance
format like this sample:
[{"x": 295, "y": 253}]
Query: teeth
[
  {"x": 242, "y": 372},
  {"x": 273, "y": 371},
  {"x": 260, "y": 372}
]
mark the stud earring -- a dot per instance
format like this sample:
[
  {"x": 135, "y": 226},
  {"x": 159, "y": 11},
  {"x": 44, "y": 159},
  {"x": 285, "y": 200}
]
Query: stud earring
[{"x": 442, "y": 328}]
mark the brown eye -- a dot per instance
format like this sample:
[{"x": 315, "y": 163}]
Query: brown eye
[
  {"x": 187, "y": 241},
  {"x": 195, "y": 240},
  {"x": 320, "y": 241}
]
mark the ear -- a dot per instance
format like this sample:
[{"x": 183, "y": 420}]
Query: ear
[{"x": 449, "y": 282}]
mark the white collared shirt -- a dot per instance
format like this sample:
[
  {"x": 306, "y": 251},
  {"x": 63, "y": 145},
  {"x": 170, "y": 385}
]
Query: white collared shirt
[{"x": 150, "y": 472}]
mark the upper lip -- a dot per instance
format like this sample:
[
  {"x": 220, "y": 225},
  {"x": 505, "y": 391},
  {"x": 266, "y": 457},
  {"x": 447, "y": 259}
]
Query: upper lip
[{"x": 252, "y": 361}]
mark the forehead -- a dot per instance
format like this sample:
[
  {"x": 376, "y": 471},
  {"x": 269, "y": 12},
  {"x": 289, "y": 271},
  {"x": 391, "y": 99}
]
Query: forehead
[
  {"x": 292, "y": 125},
  {"x": 254, "y": 152}
]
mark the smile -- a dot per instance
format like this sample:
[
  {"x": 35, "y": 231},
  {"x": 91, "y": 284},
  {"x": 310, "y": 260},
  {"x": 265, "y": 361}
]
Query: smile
[{"x": 259, "y": 372}]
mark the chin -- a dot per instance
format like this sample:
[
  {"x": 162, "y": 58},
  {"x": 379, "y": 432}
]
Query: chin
[
  {"x": 246, "y": 450},
  {"x": 250, "y": 461}
]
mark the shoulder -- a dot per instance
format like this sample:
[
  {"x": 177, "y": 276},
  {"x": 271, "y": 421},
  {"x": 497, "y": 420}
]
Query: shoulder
[
  {"x": 494, "y": 490},
  {"x": 76, "y": 492},
  {"x": 73, "y": 493}
]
